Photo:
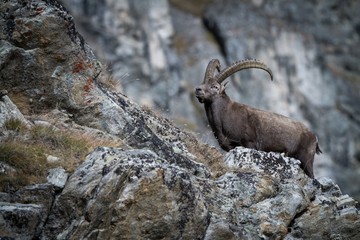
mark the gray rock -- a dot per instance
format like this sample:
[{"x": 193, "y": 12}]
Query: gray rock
[
  {"x": 6, "y": 168},
  {"x": 243, "y": 158},
  {"x": 42, "y": 123},
  {"x": 145, "y": 197},
  {"x": 20, "y": 221},
  {"x": 3, "y": 93},
  {"x": 8, "y": 110},
  {"x": 42, "y": 194},
  {"x": 23, "y": 213},
  {"x": 57, "y": 177},
  {"x": 149, "y": 197},
  {"x": 52, "y": 159},
  {"x": 330, "y": 210},
  {"x": 36, "y": 43}
]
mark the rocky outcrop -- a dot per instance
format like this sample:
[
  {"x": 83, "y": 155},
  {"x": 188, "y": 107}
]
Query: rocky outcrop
[
  {"x": 135, "y": 193},
  {"x": 24, "y": 213},
  {"x": 146, "y": 197},
  {"x": 45, "y": 62},
  {"x": 162, "y": 183}
]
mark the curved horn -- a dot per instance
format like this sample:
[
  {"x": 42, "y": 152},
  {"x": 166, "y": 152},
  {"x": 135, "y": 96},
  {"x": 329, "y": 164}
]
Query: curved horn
[
  {"x": 241, "y": 65},
  {"x": 209, "y": 73}
]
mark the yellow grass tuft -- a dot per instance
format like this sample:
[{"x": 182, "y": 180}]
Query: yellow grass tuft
[
  {"x": 27, "y": 154},
  {"x": 14, "y": 124}
]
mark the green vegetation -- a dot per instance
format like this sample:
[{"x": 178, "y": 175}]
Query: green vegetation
[{"x": 27, "y": 153}]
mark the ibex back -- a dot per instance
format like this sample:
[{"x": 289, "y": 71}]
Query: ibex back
[{"x": 235, "y": 124}]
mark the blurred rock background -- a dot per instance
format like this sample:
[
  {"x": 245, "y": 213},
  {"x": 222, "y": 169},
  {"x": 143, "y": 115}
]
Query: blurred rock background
[{"x": 156, "y": 52}]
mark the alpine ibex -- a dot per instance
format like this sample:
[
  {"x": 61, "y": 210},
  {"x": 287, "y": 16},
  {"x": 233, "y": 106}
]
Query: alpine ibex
[{"x": 235, "y": 124}]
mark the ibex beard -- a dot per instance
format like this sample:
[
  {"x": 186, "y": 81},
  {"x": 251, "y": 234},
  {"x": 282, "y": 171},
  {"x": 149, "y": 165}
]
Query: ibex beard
[{"x": 235, "y": 124}]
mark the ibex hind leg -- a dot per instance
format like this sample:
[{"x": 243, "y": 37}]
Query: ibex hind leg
[
  {"x": 308, "y": 167},
  {"x": 307, "y": 161}
]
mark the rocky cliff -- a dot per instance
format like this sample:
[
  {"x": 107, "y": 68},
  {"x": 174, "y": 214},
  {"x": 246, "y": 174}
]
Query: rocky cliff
[{"x": 146, "y": 179}]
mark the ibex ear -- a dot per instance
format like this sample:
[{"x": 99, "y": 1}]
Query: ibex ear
[{"x": 223, "y": 87}]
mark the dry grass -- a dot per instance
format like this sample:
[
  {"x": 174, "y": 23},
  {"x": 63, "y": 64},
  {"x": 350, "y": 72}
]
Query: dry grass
[
  {"x": 70, "y": 149},
  {"x": 111, "y": 83},
  {"x": 29, "y": 161},
  {"x": 27, "y": 153},
  {"x": 209, "y": 156},
  {"x": 14, "y": 124}
]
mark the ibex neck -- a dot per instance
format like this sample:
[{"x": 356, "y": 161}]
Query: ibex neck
[
  {"x": 220, "y": 101},
  {"x": 217, "y": 108}
]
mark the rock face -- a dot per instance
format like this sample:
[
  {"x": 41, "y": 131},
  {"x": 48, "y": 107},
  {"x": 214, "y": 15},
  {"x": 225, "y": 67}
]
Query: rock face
[
  {"x": 56, "y": 63},
  {"x": 145, "y": 196},
  {"x": 135, "y": 38},
  {"x": 135, "y": 193},
  {"x": 162, "y": 183}
]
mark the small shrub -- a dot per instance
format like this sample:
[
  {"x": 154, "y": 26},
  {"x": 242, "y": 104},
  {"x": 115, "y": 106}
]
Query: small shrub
[
  {"x": 65, "y": 145},
  {"x": 30, "y": 159},
  {"x": 42, "y": 133},
  {"x": 12, "y": 182},
  {"x": 29, "y": 162},
  {"x": 14, "y": 124}
]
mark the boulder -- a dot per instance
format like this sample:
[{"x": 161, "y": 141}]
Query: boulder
[
  {"x": 57, "y": 177},
  {"x": 129, "y": 194}
]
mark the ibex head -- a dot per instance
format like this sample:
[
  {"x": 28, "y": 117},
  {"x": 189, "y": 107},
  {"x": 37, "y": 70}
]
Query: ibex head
[{"x": 212, "y": 87}]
